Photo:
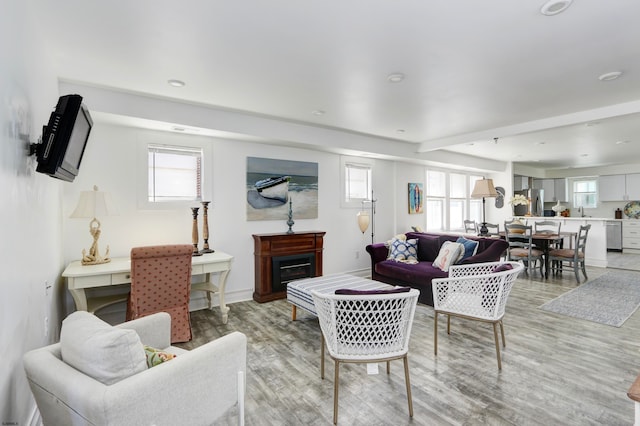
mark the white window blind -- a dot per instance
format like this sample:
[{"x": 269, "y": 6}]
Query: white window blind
[{"x": 175, "y": 173}]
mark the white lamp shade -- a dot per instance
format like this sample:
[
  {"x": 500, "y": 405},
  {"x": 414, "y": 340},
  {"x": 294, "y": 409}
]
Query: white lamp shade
[
  {"x": 363, "y": 220},
  {"x": 484, "y": 188},
  {"x": 94, "y": 204}
]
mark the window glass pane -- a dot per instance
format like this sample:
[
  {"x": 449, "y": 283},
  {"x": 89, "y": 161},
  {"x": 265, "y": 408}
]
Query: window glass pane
[
  {"x": 174, "y": 174},
  {"x": 434, "y": 210},
  {"x": 358, "y": 182},
  {"x": 475, "y": 209},
  {"x": 584, "y": 193},
  {"x": 457, "y": 185},
  {"x": 456, "y": 214},
  {"x": 435, "y": 183}
]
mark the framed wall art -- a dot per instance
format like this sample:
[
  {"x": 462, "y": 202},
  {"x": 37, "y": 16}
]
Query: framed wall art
[
  {"x": 415, "y": 198},
  {"x": 272, "y": 183}
]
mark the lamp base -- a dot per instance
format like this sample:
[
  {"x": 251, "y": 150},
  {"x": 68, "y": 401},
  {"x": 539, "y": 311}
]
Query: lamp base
[
  {"x": 95, "y": 258},
  {"x": 483, "y": 229}
]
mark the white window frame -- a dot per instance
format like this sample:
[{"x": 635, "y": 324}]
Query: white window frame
[
  {"x": 172, "y": 141},
  {"x": 575, "y": 200},
  {"x": 360, "y": 163}
]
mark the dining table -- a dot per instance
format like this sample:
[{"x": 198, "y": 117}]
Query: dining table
[{"x": 545, "y": 241}]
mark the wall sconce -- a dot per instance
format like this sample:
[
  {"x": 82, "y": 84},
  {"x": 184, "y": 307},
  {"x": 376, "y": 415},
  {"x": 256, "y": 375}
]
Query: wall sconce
[
  {"x": 90, "y": 205},
  {"x": 364, "y": 218}
]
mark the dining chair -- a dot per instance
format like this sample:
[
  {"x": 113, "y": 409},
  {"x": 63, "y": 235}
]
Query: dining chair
[
  {"x": 548, "y": 227},
  {"x": 470, "y": 227},
  {"x": 366, "y": 327},
  {"x": 573, "y": 257},
  {"x": 521, "y": 248},
  {"x": 161, "y": 282},
  {"x": 493, "y": 229},
  {"x": 477, "y": 292}
]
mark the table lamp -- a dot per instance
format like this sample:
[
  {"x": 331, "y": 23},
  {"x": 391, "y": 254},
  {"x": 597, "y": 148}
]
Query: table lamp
[
  {"x": 90, "y": 205},
  {"x": 482, "y": 189}
]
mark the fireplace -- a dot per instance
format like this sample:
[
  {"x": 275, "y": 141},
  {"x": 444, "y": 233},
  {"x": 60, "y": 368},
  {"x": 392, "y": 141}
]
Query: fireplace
[
  {"x": 289, "y": 268},
  {"x": 281, "y": 258}
]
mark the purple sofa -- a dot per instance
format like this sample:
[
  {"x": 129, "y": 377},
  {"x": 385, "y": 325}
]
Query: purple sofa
[{"x": 419, "y": 275}]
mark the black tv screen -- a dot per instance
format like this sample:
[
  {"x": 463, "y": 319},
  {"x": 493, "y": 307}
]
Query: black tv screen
[{"x": 64, "y": 139}]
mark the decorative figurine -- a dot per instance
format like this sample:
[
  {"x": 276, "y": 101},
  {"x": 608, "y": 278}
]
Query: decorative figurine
[
  {"x": 205, "y": 228},
  {"x": 290, "y": 222}
]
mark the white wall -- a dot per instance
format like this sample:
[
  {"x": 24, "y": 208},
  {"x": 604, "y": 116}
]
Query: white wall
[
  {"x": 30, "y": 214},
  {"x": 111, "y": 163}
]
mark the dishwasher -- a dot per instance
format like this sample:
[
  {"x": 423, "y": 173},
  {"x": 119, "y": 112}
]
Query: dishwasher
[{"x": 614, "y": 235}]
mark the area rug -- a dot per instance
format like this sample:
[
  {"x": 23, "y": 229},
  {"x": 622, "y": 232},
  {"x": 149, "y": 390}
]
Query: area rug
[{"x": 609, "y": 299}]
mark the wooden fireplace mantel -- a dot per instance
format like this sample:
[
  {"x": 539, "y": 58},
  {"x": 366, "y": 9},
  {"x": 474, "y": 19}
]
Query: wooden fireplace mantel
[{"x": 268, "y": 246}]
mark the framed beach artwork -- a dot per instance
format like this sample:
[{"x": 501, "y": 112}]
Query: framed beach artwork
[
  {"x": 272, "y": 184},
  {"x": 415, "y": 198}
]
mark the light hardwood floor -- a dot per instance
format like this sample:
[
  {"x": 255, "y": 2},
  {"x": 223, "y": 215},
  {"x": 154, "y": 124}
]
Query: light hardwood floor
[{"x": 556, "y": 370}]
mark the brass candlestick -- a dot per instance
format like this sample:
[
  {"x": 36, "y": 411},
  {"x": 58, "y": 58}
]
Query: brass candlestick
[
  {"x": 194, "y": 232},
  {"x": 205, "y": 227}
]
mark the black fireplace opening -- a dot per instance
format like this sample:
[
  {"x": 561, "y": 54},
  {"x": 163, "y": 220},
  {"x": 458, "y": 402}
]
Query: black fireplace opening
[{"x": 291, "y": 268}]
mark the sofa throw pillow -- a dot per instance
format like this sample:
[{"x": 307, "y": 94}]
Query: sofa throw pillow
[
  {"x": 448, "y": 255},
  {"x": 405, "y": 251},
  {"x": 156, "y": 356},
  {"x": 99, "y": 350},
  {"x": 470, "y": 248}
]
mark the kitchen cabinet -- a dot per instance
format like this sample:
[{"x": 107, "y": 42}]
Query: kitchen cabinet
[
  {"x": 520, "y": 183},
  {"x": 619, "y": 187},
  {"x": 554, "y": 189},
  {"x": 631, "y": 236}
]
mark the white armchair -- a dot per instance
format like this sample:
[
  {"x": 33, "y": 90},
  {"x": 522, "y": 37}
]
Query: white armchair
[
  {"x": 476, "y": 291},
  {"x": 194, "y": 388}
]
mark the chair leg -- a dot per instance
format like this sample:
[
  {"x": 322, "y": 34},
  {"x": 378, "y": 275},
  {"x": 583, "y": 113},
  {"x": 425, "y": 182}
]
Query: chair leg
[
  {"x": 388, "y": 367},
  {"x": 408, "y": 383},
  {"x": 576, "y": 271},
  {"x": 335, "y": 393},
  {"x": 448, "y": 324},
  {"x": 504, "y": 342},
  {"x": 584, "y": 270},
  {"x": 321, "y": 356},
  {"x": 495, "y": 335},
  {"x": 435, "y": 334}
]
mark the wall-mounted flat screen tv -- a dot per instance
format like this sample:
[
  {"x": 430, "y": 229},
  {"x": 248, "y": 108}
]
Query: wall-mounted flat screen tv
[{"x": 64, "y": 139}]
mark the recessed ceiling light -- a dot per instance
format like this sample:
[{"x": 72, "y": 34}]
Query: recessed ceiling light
[
  {"x": 540, "y": 143},
  {"x": 176, "y": 83},
  {"x": 395, "y": 78},
  {"x": 622, "y": 142},
  {"x": 553, "y": 7},
  {"x": 178, "y": 129},
  {"x": 400, "y": 131},
  {"x": 584, "y": 155},
  {"x": 610, "y": 76},
  {"x": 317, "y": 112}
]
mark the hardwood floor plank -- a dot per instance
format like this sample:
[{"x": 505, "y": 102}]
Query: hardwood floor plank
[{"x": 556, "y": 369}]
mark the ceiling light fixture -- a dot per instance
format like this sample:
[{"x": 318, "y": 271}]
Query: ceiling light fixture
[
  {"x": 610, "y": 76},
  {"x": 176, "y": 83},
  {"x": 553, "y": 7},
  {"x": 317, "y": 112},
  {"x": 622, "y": 142},
  {"x": 400, "y": 131},
  {"x": 395, "y": 78}
]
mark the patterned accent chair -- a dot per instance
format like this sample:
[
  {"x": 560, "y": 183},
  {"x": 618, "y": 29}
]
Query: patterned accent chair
[{"x": 161, "y": 282}]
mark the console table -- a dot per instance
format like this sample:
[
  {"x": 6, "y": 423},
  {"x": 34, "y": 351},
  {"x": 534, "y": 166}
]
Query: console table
[
  {"x": 118, "y": 272},
  {"x": 280, "y": 258}
]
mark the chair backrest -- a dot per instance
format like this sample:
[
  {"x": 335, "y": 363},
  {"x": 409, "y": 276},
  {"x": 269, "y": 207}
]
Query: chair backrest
[
  {"x": 476, "y": 290},
  {"x": 470, "y": 226},
  {"x": 518, "y": 235},
  {"x": 161, "y": 282},
  {"x": 366, "y": 326},
  {"x": 493, "y": 228},
  {"x": 581, "y": 239},
  {"x": 547, "y": 227}
]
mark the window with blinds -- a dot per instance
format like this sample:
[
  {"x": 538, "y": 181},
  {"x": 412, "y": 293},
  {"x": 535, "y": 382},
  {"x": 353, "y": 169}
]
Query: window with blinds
[{"x": 175, "y": 173}]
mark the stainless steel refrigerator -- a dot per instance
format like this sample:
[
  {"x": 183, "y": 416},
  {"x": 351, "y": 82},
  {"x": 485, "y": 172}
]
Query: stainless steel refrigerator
[{"x": 537, "y": 202}]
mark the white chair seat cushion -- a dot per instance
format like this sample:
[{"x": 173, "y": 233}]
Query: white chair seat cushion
[{"x": 108, "y": 354}]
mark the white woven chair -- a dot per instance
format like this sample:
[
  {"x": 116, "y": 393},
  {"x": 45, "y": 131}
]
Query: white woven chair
[
  {"x": 366, "y": 328},
  {"x": 474, "y": 292}
]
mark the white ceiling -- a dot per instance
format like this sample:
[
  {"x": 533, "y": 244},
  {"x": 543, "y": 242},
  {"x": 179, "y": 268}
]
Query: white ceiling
[{"x": 474, "y": 70}]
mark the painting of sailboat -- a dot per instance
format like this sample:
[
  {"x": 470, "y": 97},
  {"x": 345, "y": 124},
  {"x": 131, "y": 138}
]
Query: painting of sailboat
[{"x": 272, "y": 183}]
